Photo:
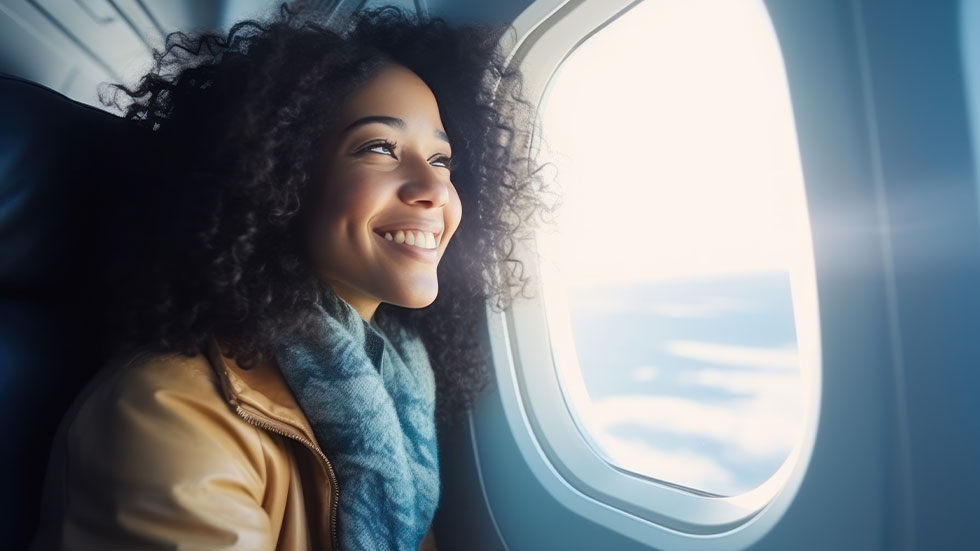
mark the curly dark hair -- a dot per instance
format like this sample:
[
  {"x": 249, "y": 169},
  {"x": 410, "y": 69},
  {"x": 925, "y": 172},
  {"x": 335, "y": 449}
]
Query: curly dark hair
[{"x": 235, "y": 122}]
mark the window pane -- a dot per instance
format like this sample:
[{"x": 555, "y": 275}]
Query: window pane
[{"x": 680, "y": 245}]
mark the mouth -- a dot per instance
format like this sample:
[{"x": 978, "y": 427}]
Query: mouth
[
  {"x": 414, "y": 251},
  {"x": 420, "y": 236}
]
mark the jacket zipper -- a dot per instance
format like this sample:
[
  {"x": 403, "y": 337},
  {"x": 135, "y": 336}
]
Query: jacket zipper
[{"x": 333, "y": 477}]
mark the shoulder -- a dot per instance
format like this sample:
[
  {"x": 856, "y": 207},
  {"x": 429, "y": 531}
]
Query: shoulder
[
  {"x": 161, "y": 411},
  {"x": 145, "y": 381},
  {"x": 153, "y": 453},
  {"x": 170, "y": 374}
]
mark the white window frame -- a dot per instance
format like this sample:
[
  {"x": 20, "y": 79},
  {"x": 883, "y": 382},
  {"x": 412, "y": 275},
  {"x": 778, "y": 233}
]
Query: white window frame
[{"x": 650, "y": 511}]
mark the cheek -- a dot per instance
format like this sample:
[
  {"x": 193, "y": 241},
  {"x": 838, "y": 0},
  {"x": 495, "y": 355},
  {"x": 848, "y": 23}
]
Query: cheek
[
  {"x": 343, "y": 202},
  {"x": 454, "y": 211},
  {"x": 350, "y": 197}
]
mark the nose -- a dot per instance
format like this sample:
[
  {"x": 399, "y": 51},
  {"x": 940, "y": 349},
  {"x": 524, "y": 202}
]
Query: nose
[{"x": 425, "y": 184}]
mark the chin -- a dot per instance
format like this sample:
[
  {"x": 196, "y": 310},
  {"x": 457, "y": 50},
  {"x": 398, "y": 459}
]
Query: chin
[
  {"x": 416, "y": 300},
  {"x": 422, "y": 303}
]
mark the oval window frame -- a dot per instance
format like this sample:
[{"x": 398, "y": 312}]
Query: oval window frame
[{"x": 552, "y": 443}]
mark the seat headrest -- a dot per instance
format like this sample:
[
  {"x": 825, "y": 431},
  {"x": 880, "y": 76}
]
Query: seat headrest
[{"x": 56, "y": 158}]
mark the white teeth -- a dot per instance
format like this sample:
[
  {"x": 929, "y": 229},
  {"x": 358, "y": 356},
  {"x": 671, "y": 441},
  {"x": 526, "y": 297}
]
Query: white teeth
[{"x": 425, "y": 240}]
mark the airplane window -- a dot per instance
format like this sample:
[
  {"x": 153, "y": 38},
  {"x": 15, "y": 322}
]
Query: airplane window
[{"x": 672, "y": 280}]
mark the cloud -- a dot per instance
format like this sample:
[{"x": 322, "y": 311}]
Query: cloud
[
  {"x": 645, "y": 373},
  {"x": 756, "y": 429},
  {"x": 749, "y": 429},
  {"x": 702, "y": 308},
  {"x": 726, "y": 354}
]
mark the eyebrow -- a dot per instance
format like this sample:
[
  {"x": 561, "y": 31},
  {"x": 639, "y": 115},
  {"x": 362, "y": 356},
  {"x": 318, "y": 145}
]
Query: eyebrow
[{"x": 393, "y": 122}]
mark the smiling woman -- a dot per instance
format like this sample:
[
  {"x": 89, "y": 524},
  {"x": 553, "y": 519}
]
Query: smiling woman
[
  {"x": 376, "y": 235},
  {"x": 296, "y": 293}
]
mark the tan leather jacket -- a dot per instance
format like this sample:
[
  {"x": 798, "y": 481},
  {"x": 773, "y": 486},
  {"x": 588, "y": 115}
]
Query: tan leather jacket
[{"x": 171, "y": 452}]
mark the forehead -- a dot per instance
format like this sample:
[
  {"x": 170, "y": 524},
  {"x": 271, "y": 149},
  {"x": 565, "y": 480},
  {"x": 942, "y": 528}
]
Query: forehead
[{"x": 397, "y": 92}]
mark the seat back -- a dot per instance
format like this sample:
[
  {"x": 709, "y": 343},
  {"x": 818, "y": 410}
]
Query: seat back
[{"x": 61, "y": 164}]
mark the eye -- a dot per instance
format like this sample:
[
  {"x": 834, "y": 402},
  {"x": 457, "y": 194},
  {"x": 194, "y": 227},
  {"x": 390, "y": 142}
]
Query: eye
[
  {"x": 447, "y": 162},
  {"x": 383, "y": 144}
]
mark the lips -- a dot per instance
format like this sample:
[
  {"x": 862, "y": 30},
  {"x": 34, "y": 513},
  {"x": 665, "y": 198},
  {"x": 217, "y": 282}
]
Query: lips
[
  {"x": 425, "y": 255},
  {"x": 411, "y": 225}
]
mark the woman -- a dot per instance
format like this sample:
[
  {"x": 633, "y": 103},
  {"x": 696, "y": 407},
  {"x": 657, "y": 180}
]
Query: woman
[{"x": 292, "y": 320}]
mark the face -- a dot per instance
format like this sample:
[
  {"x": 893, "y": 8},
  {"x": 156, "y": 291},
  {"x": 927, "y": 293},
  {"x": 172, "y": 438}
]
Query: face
[{"x": 386, "y": 208}]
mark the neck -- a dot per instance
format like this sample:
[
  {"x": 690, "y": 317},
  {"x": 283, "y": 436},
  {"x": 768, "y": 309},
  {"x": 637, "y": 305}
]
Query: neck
[{"x": 365, "y": 306}]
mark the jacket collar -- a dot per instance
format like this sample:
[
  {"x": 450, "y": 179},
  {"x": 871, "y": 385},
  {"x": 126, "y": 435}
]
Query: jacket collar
[{"x": 261, "y": 389}]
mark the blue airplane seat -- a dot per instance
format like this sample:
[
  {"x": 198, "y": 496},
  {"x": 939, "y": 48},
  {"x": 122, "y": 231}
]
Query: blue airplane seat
[{"x": 62, "y": 166}]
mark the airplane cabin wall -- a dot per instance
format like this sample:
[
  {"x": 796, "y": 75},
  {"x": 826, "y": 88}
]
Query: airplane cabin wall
[{"x": 73, "y": 46}]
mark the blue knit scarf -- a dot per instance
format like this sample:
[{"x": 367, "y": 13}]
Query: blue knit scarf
[{"x": 370, "y": 398}]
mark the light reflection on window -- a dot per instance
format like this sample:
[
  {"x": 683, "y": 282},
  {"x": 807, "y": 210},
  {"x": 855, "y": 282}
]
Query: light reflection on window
[{"x": 681, "y": 242}]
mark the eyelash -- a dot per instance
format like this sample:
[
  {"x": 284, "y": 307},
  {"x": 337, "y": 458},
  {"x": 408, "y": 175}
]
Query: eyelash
[{"x": 391, "y": 147}]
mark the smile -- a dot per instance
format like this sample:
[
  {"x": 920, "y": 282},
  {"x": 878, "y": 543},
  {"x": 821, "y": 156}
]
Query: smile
[
  {"x": 416, "y": 251},
  {"x": 419, "y": 238}
]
